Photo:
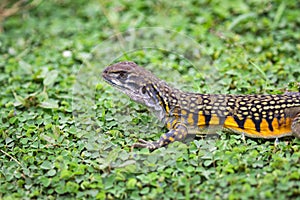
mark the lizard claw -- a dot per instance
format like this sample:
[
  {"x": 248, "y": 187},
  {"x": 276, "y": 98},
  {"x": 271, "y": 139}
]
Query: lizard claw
[
  {"x": 144, "y": 144},
  {"x": 276, "y": 143}
]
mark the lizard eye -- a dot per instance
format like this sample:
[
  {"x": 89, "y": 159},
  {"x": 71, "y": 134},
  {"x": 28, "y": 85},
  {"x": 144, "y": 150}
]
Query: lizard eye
[{"x": 122, "y": 75}]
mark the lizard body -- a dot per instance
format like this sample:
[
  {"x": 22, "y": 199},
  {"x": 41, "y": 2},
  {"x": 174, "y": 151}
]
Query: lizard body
[{"x": 261, "y": 116}]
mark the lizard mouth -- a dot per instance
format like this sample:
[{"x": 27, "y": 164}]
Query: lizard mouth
[{"x": 133, "y": 94}]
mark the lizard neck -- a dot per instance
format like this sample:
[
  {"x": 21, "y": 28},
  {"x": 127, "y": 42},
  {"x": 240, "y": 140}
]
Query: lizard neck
[{"x": 164, "y": 100}]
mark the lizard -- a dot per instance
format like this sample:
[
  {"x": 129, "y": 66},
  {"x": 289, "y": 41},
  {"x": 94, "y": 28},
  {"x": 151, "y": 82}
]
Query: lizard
[{"x": 183, "y": 113}]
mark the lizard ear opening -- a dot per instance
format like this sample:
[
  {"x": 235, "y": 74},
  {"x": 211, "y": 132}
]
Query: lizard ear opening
[{"x": 144, "y": 90}]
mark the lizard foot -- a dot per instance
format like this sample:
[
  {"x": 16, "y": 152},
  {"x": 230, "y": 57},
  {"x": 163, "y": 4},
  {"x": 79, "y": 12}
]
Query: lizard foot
[{"x": 145, "y": 144}]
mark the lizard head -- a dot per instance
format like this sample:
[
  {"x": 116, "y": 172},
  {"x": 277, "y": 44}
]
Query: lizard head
[{"x": 134, "y": 81}]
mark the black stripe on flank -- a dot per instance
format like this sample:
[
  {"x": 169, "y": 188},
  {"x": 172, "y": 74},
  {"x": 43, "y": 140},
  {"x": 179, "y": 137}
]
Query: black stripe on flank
[
  {"x": 257, "y": 123},
  {"x": 240, "y": 122},
  {"x": 195, "y": 118},
  {"x": 270, "y": 124},
  {"x": 207, "y": 120},
  {"x": 278, "y": 119},
  {"x": 222, "y": 120}
]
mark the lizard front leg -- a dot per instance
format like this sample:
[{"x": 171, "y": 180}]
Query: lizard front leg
[
  {"x": 296, "y": 126},
  {"x": 177, "y": 133}
]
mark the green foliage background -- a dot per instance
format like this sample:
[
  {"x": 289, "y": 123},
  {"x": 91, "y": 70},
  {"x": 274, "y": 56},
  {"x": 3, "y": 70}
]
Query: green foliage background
[{"x": 52, "y": 149}]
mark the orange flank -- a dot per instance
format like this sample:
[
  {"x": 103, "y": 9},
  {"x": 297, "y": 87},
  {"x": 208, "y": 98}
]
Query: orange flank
[
  {"x": 215, "y": 120},
  {"x": 282, "y": 128},
  {"x": 190, "y": 119},
  {"x": 249, "y": 124},
  {"x": 201, "y": 119}
]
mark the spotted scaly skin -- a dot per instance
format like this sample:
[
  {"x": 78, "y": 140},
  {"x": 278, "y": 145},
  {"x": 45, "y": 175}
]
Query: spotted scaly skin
[{"x": 260, "y": 116}]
